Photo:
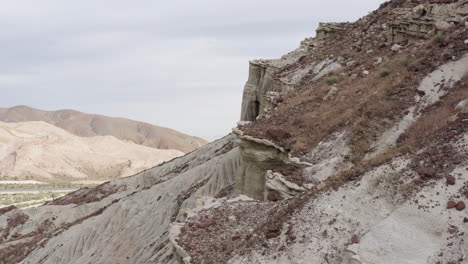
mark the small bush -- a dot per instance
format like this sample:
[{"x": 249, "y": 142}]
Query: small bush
[
  {"x": 438, "y": 39},
  {"x": 385, "y": 73},
  {"x": 331, "y": 80}
]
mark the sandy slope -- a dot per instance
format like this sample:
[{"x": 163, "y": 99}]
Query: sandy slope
[
  {"x": 37, "y": 150},
  {"x": 89, "y": 125}
]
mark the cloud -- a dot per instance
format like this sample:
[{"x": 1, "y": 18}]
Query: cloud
[{"x": 180, "y": 63}]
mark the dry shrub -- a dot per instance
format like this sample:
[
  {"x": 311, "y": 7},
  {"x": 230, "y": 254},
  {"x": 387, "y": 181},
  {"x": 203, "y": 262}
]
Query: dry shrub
[
  {"x": 438, "y": 39},
  {"x": 331, "y": 80},
  {"x": 436, "y": 117},
  {"x": 365, "y": 105},
  {"x": 427, "y": 124}
]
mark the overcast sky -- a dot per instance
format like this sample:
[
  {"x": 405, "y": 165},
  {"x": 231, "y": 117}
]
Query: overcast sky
[{"x": 179, "y": 64}]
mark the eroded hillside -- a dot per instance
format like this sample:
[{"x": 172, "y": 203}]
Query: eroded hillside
[
  {"x": 89, "y": 125},
  {"x": 352, "y": 149},
  {"x": 40, "y": 151}
]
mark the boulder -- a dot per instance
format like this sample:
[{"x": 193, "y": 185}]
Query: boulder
[
  {"x": 396, "y": 47},
  {"x": 450, "y": 180},
  {"x": 426, "y": 171},
  {"x": 451, "y": 204},
  {"x": 330, "y": 93},
  {"x": 462, "y": 106}
]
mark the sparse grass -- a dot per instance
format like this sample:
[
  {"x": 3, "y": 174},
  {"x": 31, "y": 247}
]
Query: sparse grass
[
  {"x": 384, "y": 73},
  {"x": 385, "y": 179},
  {"x": 14, "y": 198},
  {"x": 409, "y": 188},
  {"x": 331, "y": 80},
  {"x": 34, "y": 198},
  {"x": 364, "y": 107},
  {"x": 44, "y": 186},
  {"x": 436, "y": 117},
  {"x": 375, "y": 112}
]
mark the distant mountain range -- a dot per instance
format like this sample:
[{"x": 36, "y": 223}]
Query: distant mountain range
[{"x": 89, "y": 125}]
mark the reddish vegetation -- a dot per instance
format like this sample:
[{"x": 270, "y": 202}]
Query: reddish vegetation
[
  {"x": 368, "y": 104},
  {"x": 87, "y": 195},
  {"x": 257, "y": 224},
  {"x": 7, "y": 209},
  {"x": 436, "y": 117},
  {"x": 25, "y": 243},
  {"x": 185, "y": 195},
  {"x": 303, "y": 119},
  {"x": 274, "y": 196},
  {"x": 235, "y": 229},
  {"x": 355, "y": 239},
  {"x": 292, "y": 174},
  {"x": 277, "y": 135},
  {"x": 13, "y": 221}
]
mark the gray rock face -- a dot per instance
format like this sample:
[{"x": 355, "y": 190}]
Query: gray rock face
[
  {"x": 127, "y": 220},
  {"x": 462, "y": 106},
  {"x": 424, "y": 21},
  {"x": 255, "y": 177},
  {"x": 324, "y": 30},
  {"x": 257, "y": 159},
  {"x": 262, "y": 80},
  {"x": 259, "y": 83}
]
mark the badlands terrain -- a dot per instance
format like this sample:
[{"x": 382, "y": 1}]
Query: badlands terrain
[
  {"x": 40, "y": 151},
  {"x": 89, "y": 125},
  {"x": 39, "y": 161},
  {"x": 351, "y": 149}
]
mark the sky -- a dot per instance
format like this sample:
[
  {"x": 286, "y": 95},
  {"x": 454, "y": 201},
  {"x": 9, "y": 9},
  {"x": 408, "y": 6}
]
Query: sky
[{"x": 179, "y": 64}]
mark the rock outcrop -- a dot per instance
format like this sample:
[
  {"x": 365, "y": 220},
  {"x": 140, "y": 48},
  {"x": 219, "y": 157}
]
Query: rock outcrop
[
  {"x": 269, "y": 79},
  {"x": 256, "y": 177},
  {"x": 259, "y": 84},
  {"x": 327, "y": 29},
  {"x": 425, "y": 20}
]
